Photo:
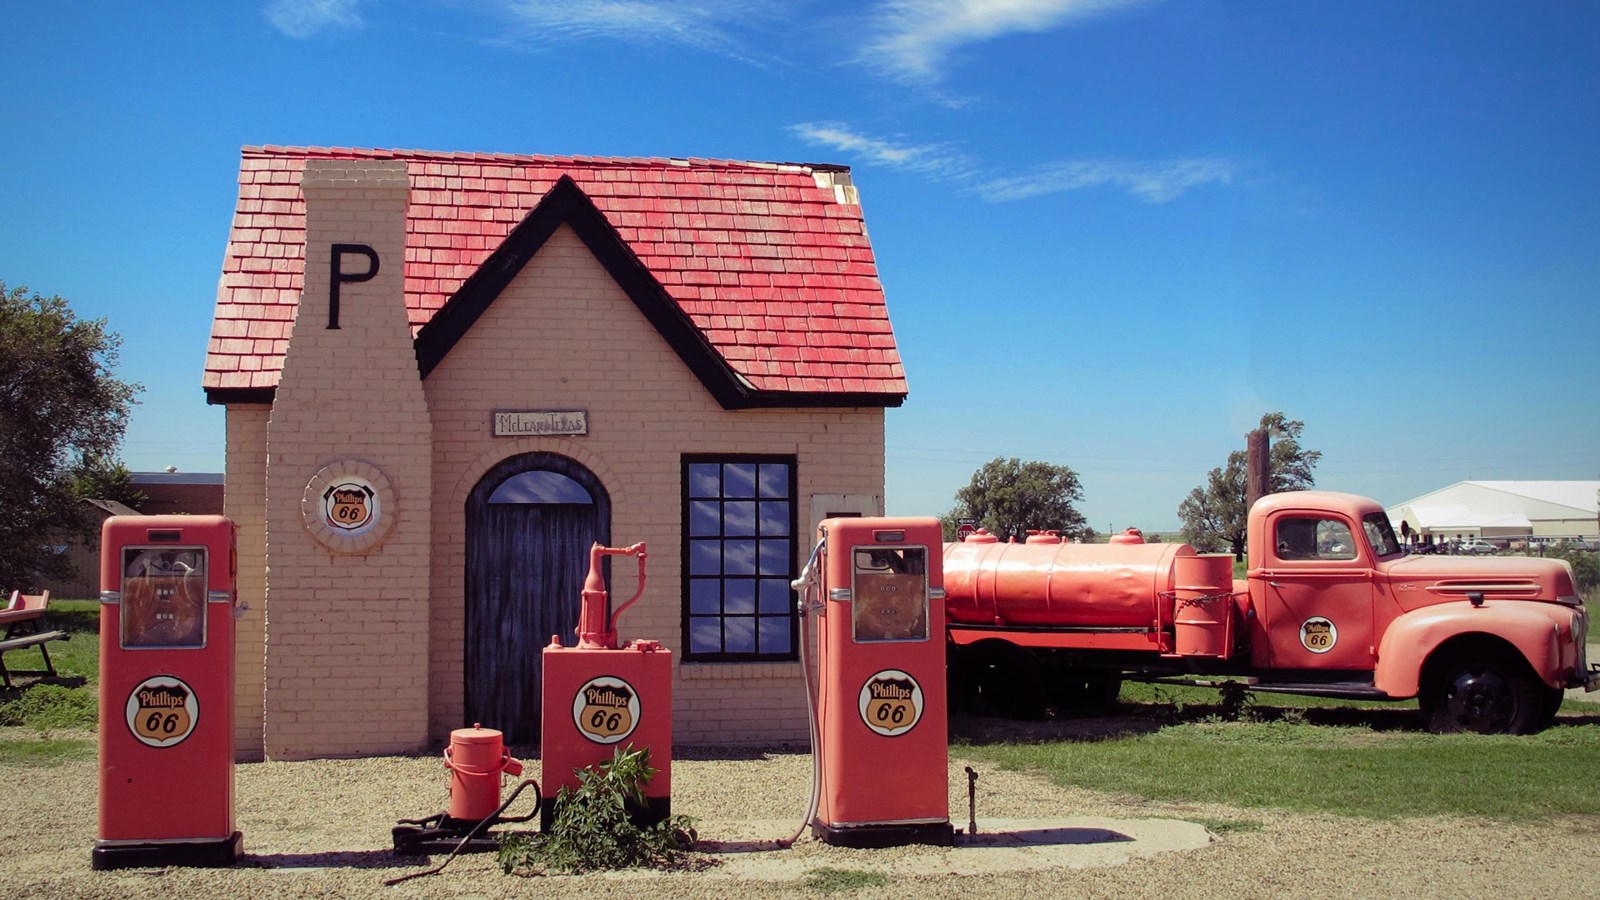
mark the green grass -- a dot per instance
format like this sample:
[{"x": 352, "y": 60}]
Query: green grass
[
  {"x": 1319, "y": 768},
  {"x": 1266, "y": 705},
  {"x": 69, "y": 700},
  {"x": 829, "y": 880},
  {"x": 43, "y": 753}
]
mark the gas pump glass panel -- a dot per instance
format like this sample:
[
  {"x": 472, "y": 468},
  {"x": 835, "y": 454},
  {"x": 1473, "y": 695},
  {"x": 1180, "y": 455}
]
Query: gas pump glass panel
[
  {"x": 890, "y": 591},
  {"x": 163, "y": 597}
]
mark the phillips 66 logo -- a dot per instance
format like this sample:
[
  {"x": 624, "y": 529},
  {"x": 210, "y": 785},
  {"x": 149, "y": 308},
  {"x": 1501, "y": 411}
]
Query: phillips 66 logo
[
  {"x": 351, "y": 505},
  {"x": 162, "y": 711},
  {"x": 891, "y": 702},
  {"x": 606, "y": 709},
  {"x": 1318, "y": 634}
]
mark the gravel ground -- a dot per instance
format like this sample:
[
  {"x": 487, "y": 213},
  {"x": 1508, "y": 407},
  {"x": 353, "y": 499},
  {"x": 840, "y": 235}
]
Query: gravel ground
[{"x": 321, "y": 829}]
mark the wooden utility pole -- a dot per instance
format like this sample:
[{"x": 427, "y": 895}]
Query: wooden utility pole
[{"x": 1257, "y": 468}]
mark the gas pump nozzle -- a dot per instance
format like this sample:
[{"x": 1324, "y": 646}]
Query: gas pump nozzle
[{"x": 595, "y": 631}]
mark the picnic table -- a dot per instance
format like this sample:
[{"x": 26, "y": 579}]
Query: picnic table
[{"x": 21, "y": 617}]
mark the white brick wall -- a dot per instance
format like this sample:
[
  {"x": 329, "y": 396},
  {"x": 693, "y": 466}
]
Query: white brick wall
[
  {"x": 244, "y": 501},
  {"x": 563, "y": 335}
]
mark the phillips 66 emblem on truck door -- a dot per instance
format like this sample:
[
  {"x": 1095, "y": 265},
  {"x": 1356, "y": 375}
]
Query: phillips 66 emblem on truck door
[
  {"x": 162, "y": 711},
  {"x": 606, "y": 709},
  {"x": 891, "y": 702}
]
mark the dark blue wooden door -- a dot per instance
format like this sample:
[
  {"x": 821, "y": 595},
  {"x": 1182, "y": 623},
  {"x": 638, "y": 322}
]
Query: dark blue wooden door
[{"x": 530, "y": 523}]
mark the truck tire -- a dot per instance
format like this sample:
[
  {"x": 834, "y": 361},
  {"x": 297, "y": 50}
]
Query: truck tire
[
  {"x": 1549, "y": 704},
  {"x": 1484, "y": 694},
  {"x": 1006, "y": 681},
  {"x": 1082, "y": 690}
]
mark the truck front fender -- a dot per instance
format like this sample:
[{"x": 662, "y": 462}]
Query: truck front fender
[{"x": 1541, "y": 632}]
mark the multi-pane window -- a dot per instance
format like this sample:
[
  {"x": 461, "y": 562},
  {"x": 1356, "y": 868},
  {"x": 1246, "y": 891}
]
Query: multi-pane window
[{"x": 739, "y": 532}]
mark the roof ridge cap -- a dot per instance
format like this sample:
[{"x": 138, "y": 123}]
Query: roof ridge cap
[{"x": 315, "y": 151}]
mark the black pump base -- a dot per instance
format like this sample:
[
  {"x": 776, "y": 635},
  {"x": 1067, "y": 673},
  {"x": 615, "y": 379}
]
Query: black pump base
[
  {"x": 215, "y": 854},
  {"x": 873, "y": 837}
]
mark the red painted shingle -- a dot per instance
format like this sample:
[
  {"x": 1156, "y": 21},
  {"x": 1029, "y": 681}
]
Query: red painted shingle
[{"x": 774, "y": 271}]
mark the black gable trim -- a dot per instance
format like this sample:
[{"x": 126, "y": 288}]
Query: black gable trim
[
  {"x": 218, "y": 396},
  {"x": 567, "y": 204}
]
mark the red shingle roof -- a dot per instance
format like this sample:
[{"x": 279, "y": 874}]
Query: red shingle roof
[{"x": 770, "y": 263}]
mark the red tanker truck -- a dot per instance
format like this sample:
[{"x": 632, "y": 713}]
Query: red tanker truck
[{"x": 1329, "y": 606}]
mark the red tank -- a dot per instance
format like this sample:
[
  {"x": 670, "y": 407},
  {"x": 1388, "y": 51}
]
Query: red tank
[{"x": 1092, "y": 585}]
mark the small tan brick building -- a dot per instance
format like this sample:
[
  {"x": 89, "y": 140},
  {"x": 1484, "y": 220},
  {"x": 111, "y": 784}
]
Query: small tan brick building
[{"x": 446, "y": 375}]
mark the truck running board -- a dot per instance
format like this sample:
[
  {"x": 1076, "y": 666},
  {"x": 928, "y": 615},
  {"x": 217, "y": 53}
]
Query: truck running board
[{"x": 1355, "y": 690}]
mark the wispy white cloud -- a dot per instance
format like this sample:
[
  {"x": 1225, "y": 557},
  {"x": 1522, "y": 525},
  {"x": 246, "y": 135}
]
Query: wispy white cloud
[
  {"x": 937, "y": 161},
  {"x": 706, "y": 24},
  {"x": 305, "y": 18},
  {"x": 912, "y": 39},
  {"x": 1151, "y": 182}
]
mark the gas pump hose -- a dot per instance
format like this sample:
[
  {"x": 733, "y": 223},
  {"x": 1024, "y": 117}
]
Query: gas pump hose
[
  {"x": 495, "y": 817},
  {"x": 806, "y": 584}
]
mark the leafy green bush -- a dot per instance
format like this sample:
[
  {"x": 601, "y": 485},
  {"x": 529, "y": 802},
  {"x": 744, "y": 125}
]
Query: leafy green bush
[
  {"x": 1585, "y": 567},
  {"x": 593, "y": 829},
  {"x": 50, "y": 706}
]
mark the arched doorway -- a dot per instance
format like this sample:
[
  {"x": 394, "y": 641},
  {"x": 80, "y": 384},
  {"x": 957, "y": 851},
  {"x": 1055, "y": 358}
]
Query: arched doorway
[{"x": 530, "y": 522}]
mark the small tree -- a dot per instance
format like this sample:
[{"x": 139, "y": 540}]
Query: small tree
[
  {"x": 1215, "y": 515},
  {"x": 101, "y": 479},
  {"x": 62, "y": 414},
  {"x": 1009, "y": 497}
]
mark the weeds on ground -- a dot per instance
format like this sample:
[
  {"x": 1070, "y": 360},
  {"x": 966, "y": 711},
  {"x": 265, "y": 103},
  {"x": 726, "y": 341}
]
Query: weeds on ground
[
  {"x": 1235, "y": 702},
  {"x": 1227, "y": 826},
  {"x": 593, "y": 829},
  {"x": 48, "y": 707}
]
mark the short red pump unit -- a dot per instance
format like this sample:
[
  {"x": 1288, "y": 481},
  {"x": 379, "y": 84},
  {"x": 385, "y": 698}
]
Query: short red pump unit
[{"x": 599, "y": 696}]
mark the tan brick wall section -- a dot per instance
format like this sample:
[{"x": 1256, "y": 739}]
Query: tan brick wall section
[
  {"x": 244, "y": 501},
  {"x": 347, "y": 634},
  {"x": 563, "y": 335}
]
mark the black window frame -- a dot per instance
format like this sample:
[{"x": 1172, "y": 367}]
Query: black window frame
[{"x": 687, "y": 576}]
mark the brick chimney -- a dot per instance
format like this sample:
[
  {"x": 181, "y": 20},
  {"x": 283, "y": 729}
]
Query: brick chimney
[{"x": 349, "y": 463}]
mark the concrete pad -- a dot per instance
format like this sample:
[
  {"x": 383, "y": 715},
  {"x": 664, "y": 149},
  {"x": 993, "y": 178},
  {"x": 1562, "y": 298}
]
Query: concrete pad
[{"x": 1001, "y": 846}]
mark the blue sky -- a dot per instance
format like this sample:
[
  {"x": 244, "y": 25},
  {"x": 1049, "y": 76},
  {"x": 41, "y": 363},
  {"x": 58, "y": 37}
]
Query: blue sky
[{"x": 1112, "y": 234}]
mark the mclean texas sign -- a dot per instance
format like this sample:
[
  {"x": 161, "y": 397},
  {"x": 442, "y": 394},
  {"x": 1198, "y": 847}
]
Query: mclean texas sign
[{"x": 540, "y": 422}]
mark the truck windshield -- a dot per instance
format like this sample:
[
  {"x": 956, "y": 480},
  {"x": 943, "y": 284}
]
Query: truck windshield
[{"x": 1380, "y": 534}]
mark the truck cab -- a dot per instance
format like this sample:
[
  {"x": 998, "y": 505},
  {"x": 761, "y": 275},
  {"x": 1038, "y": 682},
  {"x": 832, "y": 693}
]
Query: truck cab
[{"x": 1315, "y": 595}]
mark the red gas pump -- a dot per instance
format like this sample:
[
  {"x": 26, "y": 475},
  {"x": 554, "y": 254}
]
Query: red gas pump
[
  {"x": 599, "y": 697},
  {"x": 166, "y": 692},
  {"x": 880, "y": 706}
]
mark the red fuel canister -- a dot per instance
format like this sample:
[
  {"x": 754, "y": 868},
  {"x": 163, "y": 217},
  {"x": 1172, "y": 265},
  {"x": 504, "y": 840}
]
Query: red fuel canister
[
  {"x": 476, "y": 758},
  {"x": 1204, "y": 604}
]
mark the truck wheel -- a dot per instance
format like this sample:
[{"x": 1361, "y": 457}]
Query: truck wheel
[
  {"x": 1084, "y": 689},
  {"x": 1549, "y": 704},
  {"x": 1486, "y": 695},
  {"x": 1007, "y": 681}
]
